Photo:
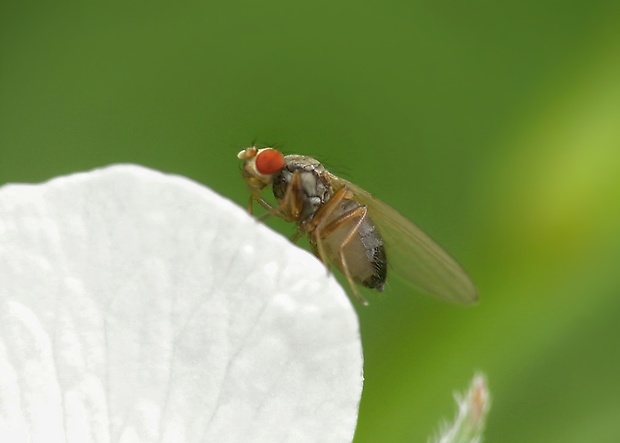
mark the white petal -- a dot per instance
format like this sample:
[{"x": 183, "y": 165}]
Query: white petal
[{"x": 138, "y": 306}]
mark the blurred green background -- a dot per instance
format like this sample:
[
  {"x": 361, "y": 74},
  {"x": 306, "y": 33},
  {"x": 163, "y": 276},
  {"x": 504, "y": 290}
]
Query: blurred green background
[{"x": 494, "y": 125}]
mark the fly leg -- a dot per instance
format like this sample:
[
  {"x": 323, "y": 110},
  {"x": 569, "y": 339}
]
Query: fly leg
[
  {"x": 296, "y": 236},
  {"x": 265, "y": 204},
  {"x": 289, "y": 208},
  {"x": 314, "y": 226},
  {"x": 321, "y": 229},
  {"x": 292, "y": 203},
  {"x": 357, "y": 217}
]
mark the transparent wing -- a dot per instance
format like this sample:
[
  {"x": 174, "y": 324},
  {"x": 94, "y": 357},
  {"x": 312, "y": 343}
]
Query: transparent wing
[{"x": 411, "y": 254}]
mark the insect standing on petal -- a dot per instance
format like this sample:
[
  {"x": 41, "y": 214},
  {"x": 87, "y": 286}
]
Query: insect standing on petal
[{"x": 350, "y": 229}]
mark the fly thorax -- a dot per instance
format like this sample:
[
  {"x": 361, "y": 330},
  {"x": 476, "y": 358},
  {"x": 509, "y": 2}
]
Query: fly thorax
[{"x": 312, "y": 190}]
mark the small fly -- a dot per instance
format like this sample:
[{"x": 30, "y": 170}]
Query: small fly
[{"x": 348, "y": 227}]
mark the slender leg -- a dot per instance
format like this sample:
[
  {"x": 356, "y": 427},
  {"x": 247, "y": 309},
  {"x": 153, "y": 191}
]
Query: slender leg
[
  {"x": 319, "y": 218},
  {"x": 271, "y": 210},
  {"x": 291, "y": 204},
  {"x": 322, "y": 227},
  {"x": 289, "y": 208},
  {"x": 296, "y": 236},
  {"x": 360, "y": 213}
]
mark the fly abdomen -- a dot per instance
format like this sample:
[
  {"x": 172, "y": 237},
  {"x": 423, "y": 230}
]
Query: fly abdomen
[{"x": 379, "y": 261}]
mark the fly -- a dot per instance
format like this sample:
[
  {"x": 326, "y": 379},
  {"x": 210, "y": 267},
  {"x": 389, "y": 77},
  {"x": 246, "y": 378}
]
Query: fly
[{"x": 348, "y": 227}]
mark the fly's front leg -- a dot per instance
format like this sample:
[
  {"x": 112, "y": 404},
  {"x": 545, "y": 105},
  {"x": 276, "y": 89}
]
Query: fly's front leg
[
  {"x": 286, "y": 208},
  {"x": 292, "y": 203},
  {"x": 271, "y": 210},
  {"x": 289, "y": 206},
  {"x": 296, "y": 236}
]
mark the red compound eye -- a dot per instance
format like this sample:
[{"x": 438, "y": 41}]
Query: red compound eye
[{"x": 269, "y": 161}]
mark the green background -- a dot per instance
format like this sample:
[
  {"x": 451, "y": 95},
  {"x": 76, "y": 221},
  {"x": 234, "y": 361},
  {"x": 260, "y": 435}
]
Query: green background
[{"x": 494, "y": 125}]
